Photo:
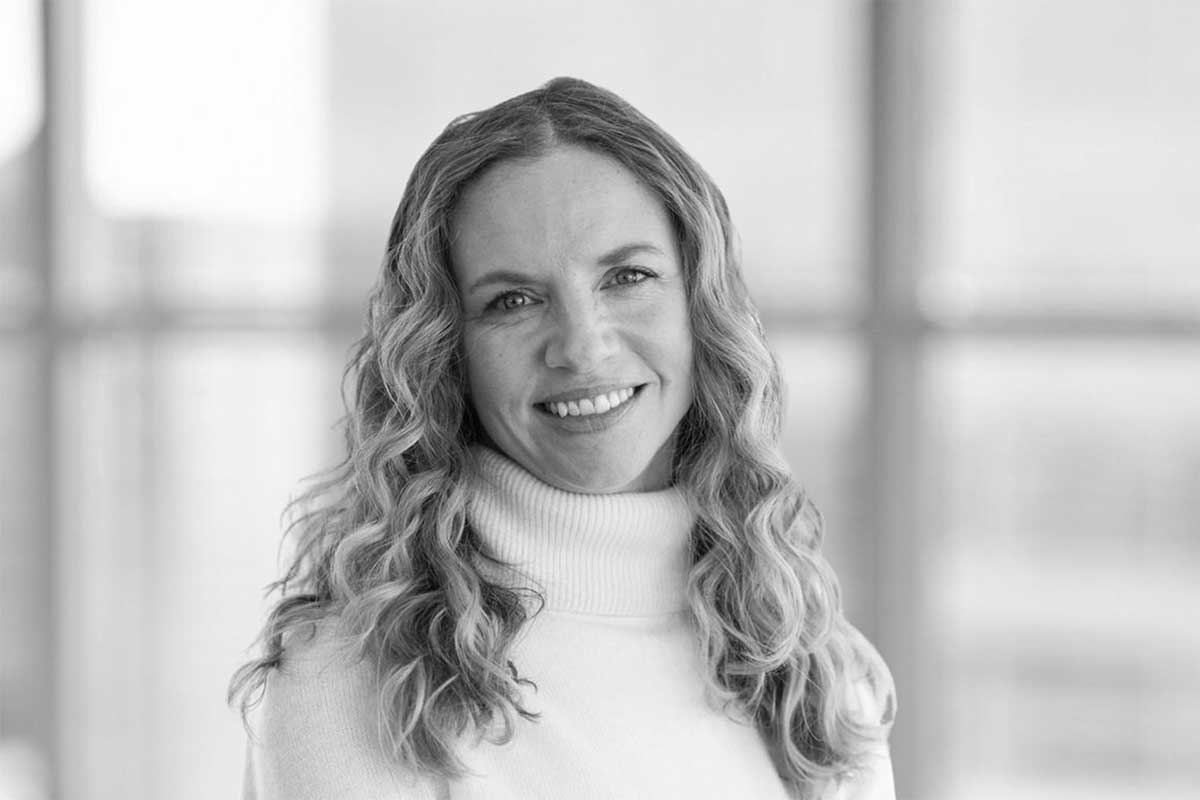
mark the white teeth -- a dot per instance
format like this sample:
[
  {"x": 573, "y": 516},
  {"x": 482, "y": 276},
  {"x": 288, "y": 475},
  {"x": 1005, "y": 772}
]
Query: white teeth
[{"x": 600, "y": 404}]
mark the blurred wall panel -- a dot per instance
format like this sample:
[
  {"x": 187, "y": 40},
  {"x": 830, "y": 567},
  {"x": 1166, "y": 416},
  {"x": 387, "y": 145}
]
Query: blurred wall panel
[
  {"x": 210, "y": 110},
  {"x": 215, "y": 155},
  {"x": 107, "y": 667},
  {"x": 198, "y": 369},
  {"x": 1060, "y": 152},
  {"x": 22, "y": 232},
  {"x": 1064, "y": 168},
  {"x": 239, "y": 420},
  {"x": 26, "y": 577},
  {"x": 24, "y": 631},
  {"x": 180, "y": 453},
  {"x": 1067, "y": 477}
]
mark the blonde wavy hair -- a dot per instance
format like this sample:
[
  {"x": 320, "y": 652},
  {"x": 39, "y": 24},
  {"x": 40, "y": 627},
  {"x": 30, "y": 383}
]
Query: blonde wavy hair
[{"x": 382, "y": 541}]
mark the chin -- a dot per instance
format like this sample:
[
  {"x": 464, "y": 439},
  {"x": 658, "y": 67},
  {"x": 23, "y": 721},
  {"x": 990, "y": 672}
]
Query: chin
[{"x": 606, "y": 478}]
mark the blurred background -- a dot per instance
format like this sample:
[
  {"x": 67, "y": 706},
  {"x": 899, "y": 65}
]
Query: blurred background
[{"x": 971, "y": 226}]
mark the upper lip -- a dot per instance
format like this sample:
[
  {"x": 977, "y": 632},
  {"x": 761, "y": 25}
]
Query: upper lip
[{"x": 586, "y": 392}]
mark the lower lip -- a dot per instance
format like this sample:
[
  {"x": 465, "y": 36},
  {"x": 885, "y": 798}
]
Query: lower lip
[{"x": 592, "y": 423}]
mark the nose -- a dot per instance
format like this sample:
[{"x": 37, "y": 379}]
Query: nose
[{"x": 582, "y": 338}]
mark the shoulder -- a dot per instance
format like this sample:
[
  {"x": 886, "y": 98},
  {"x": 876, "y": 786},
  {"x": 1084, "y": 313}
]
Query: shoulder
[
  {"x": 319, "y": 681},
  {"x": 319, "y": 731},
  {"x": 318, "y": 652}
]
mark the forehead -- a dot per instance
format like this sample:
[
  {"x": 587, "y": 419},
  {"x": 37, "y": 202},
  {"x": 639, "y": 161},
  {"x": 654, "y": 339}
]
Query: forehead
[{"x": 570, "y": 203}]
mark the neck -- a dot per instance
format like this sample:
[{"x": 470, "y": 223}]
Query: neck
[{"x": 624, "y": 554}]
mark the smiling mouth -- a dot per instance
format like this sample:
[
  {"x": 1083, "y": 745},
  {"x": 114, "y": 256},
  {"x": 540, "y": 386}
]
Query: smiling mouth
[{"x": 591, "y": 406}]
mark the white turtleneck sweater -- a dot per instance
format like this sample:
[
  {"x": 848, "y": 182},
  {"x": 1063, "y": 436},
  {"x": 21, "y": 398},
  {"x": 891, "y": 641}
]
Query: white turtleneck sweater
[{"x": 613, "y": 654}]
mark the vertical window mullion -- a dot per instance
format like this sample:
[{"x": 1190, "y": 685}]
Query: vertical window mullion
[
  {"x": 46, "y": 546},
  {"x": 892, "y": 458}
]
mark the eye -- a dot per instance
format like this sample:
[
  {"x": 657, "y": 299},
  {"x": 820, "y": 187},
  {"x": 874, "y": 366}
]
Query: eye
[
  {"x": 508, "y": 301},
  {"x": 628, "y": 276}
]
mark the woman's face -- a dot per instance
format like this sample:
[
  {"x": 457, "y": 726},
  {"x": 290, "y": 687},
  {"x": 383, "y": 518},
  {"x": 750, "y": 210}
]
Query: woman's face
[{"x": 577, "y": 338}]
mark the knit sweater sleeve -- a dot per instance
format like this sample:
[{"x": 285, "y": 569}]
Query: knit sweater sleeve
[{"x": 316, "y": 736}]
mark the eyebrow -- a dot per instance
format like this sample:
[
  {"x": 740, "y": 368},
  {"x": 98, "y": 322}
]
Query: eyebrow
[
  {"x": 500, "y": 276},
  {"x": 610, "y": 259},
  {"x": 622, "y": 253}
]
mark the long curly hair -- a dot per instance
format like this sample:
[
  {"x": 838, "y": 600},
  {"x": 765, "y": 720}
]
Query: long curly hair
[{"x": 382, "y": 542}]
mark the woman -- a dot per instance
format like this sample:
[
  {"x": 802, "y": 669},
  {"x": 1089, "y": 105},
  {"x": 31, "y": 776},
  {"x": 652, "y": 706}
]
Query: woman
[{"x": 562, "y": 557}]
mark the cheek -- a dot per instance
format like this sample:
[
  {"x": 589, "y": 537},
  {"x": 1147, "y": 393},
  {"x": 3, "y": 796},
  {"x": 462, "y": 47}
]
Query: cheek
[
  {"x": 493, "y": 379},
  {"x": 684, "y": 360},
  {"x": 671, "y": 336},
  {"x": 662, "y": 336}
]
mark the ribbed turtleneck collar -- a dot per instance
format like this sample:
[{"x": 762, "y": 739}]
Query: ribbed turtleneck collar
[{"x": 619, "y": 554}]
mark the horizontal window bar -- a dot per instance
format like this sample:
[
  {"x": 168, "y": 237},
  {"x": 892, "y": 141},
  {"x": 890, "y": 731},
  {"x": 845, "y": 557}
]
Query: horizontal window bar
[{"x": 18, "y": 322}]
